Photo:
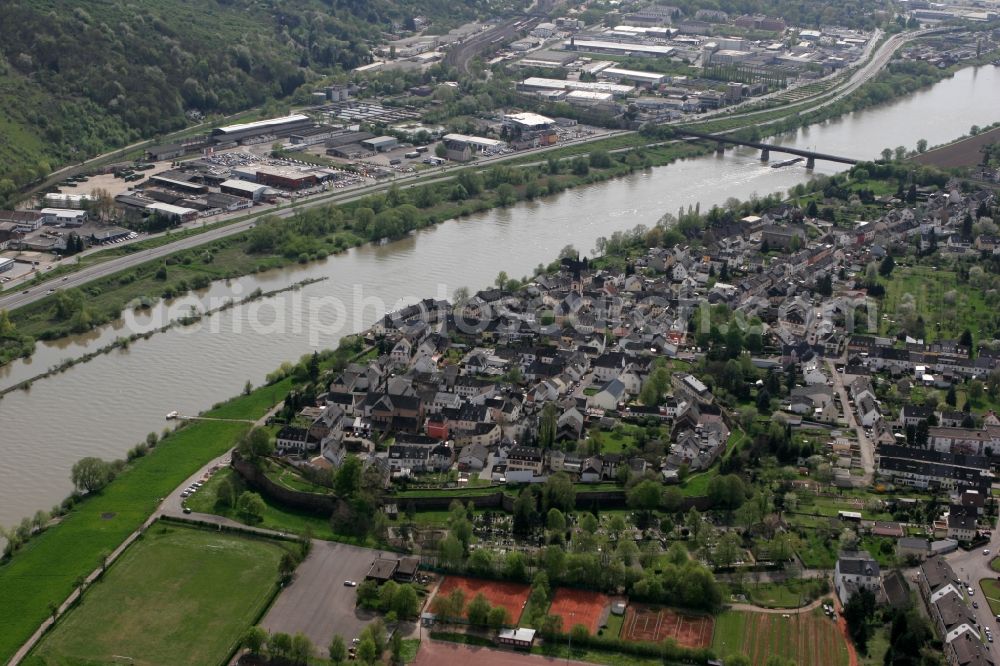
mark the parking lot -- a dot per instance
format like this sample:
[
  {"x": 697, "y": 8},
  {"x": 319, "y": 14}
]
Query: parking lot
[{"x": 317, "y": 603}]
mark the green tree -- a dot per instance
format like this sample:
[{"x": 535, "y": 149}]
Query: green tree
[
  {"x": 555, "y": 521},
  {"x": 225, "y": 493},
  {"x": 251, "y": 506},
  {"x": 366, "y": 651},
  {"x": 255, "y": 445},
  {"x": 405, "y": 602},
  {"x": 279, "y": 646},
  {"x": 347, "y": 478},
  {"x": 498, "y": 617},
  {"x": 301, "y": 650},
  {"x": 91, "y": 475},
  {"x": 645, "y": 496},
  {"x": 254, "y": 640},
  {"x": 886, "y": 267},
  {"x": 558, "y": 493},
  {"x": 338, "y": 650},
  {"x": 479, "y": 610}
]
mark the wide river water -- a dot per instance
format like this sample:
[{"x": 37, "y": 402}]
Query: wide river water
[{"x": 104, "y": 407}]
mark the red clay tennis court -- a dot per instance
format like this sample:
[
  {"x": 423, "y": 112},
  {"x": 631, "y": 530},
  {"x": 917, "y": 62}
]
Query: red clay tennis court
[
  {"x": 580, "y": 607},
  {"x": 511, "y": 596},
  {"x": 650, "y": 623}
]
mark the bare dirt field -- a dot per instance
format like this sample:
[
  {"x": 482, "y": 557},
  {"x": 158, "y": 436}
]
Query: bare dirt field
[
  {"x": 654, "y": 624},
  {"x": 964, "y": 153},
  {"x": 580, "y": 607}
]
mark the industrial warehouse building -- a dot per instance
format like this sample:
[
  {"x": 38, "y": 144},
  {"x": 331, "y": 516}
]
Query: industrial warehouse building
[
  {"x": 180, "y": 181},
  {"x": 283, "y": 126},
  {"x": 618, "y": 48},
  {"x": 477, "y": 144},
  {"x": 286, "y": 177},
  {"x": 641, "y": 78},
  {"x": 380, "y": 144},
  {"x": 241, "y": 188},
  {"x": 173, "y": 212},
  {"x": 65, "y": 216},
  {"x": 537, "y": 83}
]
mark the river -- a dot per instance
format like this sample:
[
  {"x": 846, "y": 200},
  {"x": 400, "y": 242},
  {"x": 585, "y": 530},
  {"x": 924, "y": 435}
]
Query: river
[{"x": 105, "y": 406}]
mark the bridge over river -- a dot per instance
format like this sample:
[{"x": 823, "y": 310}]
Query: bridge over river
[{"x": 765, "y": 148}]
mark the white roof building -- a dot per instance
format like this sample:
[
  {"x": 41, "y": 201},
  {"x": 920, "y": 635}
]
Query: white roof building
[{"x": 528, "y": 120}]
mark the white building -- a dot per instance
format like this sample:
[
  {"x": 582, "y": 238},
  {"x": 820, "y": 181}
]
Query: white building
[{"x": 856, "y": 571}]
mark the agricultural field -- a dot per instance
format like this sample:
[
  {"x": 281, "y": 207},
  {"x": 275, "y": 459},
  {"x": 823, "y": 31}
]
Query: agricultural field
[
  {"x": 655, "y": 624},
  {"x": 575, "y": 607},
  {"x": 964, "y": 153},
  {"x": 511, "y": 596},
  {"x": 809, "y": 639},
  {"x": 179, "y": 595}
]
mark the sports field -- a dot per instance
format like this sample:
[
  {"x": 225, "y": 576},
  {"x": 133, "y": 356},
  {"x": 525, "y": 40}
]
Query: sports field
[
  {"x": 511, "y": 596},
  {"x": 654, "y": 624},
  {"x": 580, "y": 607},
  {"x": 808, "y": 639},
  {"x": 179, "y": 595}
]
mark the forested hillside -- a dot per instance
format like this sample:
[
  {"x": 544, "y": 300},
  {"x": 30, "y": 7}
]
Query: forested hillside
[{"x": 78, "y": 77}]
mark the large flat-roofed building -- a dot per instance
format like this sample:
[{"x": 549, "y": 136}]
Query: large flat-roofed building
[
  {"x": 641, "y": 78},
  {"x": 282, "y": 126},
  {"x": 64, "y": 200},
  {"x": 528, "y": 121},
  {"x": 65, "y": 216},
  {"x": 6, "y": 264},
  {"x": 478, "y": 144},
  {"x": 180, "y": 181},
  {"x": 22, "y": 221},
  {"x": 620, "y": 48},
  {"x": 289, "y": 178},
  {"x": 380, "y": 144},
  {"x": 173, "y": 212},
  {"x": 538, "y": 83},
  {"x": 589, "y": 98},
  {"x": 242, "y": 188}
]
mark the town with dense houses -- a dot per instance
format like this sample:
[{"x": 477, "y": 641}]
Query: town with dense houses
[
  {"x": 674, "y": 366},
  {"x": 760, "y": 430}
]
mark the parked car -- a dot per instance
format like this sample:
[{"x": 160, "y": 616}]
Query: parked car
[{"x": 350, "y": 583}]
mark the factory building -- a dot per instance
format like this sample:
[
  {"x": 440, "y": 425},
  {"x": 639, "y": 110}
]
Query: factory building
[
  {"x": 539, "y": 84},
  {"x": 619, "y": 48},
  {"x": 641, "y": 78},
  {"x": 282, "y": 126},
  {"x": 289, "y": 178},
  {"x": 241, "y": 188}
]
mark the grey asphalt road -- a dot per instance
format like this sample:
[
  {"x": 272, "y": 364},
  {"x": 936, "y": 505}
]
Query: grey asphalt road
[{"x": 972, "y": 567}]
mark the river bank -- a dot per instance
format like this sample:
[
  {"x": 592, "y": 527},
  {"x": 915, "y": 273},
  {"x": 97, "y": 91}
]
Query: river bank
[{"x": 114, "y": 400}]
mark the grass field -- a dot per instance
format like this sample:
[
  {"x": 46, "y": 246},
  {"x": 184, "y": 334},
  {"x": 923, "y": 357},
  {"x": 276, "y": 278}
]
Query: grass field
[
  {"x": 809, "y": 639},
  {"x": 178, "y": 596},
  {"x": 276, "y": 516},
  {"x": 991, "y": 590},
  {"x": 44, "y": 571}
]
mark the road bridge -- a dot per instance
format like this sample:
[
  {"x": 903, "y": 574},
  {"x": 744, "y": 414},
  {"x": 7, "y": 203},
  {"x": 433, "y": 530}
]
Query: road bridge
[{"x": 721, "y": 140}]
